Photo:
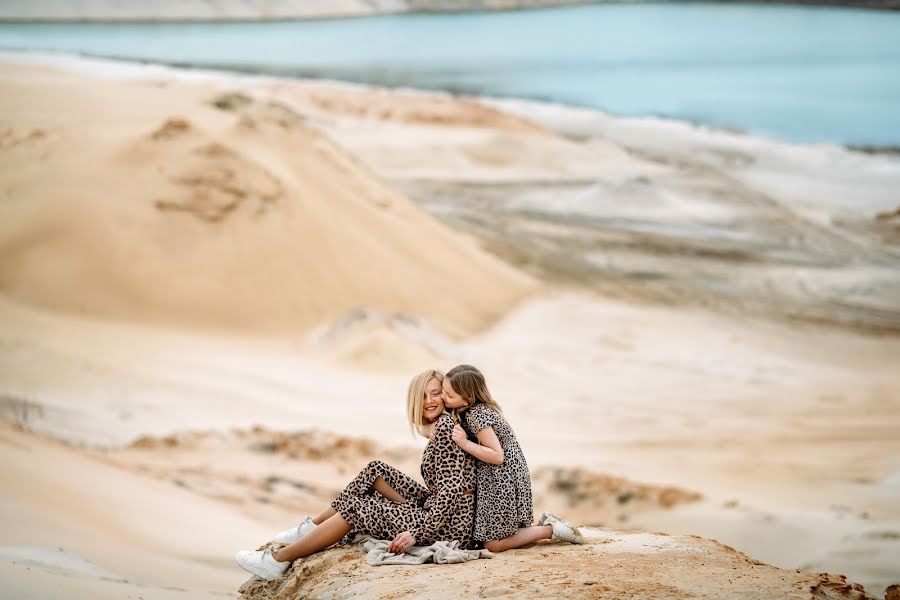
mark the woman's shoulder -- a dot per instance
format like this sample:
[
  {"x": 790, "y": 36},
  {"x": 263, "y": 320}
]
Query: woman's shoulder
[{"x": 445, "y": 421}]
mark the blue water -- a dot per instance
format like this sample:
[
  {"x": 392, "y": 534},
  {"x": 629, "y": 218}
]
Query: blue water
[{"x": 799, "y": 73}]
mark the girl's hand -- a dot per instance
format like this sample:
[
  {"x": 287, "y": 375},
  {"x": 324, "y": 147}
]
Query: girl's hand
[
  {"x": 403, "y": 542},
  {"x": 459, "y": 435}
]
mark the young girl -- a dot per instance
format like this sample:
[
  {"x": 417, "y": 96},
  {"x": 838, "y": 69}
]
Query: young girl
[{"x": 503, "y": 512}]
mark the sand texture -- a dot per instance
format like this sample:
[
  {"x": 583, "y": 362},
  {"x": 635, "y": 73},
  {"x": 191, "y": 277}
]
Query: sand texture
[
  {"x": 164, "y": 208},
  {"x": 214, "y": 290},
  {"x": 612, "y": 564}
]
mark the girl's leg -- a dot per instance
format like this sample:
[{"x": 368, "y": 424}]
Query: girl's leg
[
  {"x": 325, "y": 534},
  {"x": 526, "y": 535}
]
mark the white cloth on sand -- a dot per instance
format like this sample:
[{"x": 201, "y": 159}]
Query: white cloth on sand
[{"x": 441, "y": 553}]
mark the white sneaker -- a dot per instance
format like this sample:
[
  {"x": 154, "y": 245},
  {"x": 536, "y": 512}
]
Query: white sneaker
[
  {"x": 289, "y": 536},
  {"x": 562, "y": 530},
  {"x": 261, "y": 563}
]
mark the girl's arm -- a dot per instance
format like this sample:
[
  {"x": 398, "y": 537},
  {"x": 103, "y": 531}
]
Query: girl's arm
[{"x": 488, "y": 448}]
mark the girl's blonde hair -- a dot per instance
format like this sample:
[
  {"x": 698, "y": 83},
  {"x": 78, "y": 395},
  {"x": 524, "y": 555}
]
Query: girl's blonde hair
[
  {"x": 415, "y": 399},
  {"x": 469, "y": 383}
]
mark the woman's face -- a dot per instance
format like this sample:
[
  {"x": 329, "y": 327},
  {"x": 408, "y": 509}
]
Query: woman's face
[
  {"x": 451, "y": 398},
  {"x": 434, "y": 404}
]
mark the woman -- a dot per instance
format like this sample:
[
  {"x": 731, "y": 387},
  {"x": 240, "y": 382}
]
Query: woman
[{"x": 387, "y": 504}]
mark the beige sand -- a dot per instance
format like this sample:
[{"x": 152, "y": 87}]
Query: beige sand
[
  {"x": 612, "y": 564},
  {"x": 162, "y": 208},
  {"x": 142, "y": 530},
  {"x": 172, "y": 266}
]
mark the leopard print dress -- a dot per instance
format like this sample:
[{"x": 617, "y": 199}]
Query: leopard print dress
[
  {"x": 504, "y": 502},
  {"x": 442, "y": 509}
]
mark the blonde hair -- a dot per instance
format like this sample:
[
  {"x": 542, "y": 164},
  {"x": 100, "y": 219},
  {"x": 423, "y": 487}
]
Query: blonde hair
[
  {"x": 415, "y": 399},
  {"x": 468, "y": 382}
]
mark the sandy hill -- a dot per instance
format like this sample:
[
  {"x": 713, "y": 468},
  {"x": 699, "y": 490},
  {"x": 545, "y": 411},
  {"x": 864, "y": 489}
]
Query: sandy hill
[{"x": 247, "y": 219}]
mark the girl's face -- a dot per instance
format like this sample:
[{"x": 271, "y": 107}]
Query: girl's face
[
  {"x": 451, "y": 398},
  {"x": 433, "y": 403}
]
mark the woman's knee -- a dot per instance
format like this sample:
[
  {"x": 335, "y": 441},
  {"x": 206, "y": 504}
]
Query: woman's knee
[
  {"x": 376, "y": 465},
  {"x": 494, "y": 546}
]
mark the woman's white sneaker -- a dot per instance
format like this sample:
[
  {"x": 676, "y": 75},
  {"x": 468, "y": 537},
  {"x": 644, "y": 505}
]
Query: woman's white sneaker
[
  {"x": 562, "y": 530},
  {"x": 289, "y": 536},
  {"x": 261, "y": 563}
]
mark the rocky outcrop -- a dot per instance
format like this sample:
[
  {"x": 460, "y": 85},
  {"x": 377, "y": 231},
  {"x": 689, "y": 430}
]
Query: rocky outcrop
[{"x": 613, "y": 564}]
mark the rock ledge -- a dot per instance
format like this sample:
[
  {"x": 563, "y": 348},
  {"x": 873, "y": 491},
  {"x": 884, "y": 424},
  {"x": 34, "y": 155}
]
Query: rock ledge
[{"x": 613, "y": 564}]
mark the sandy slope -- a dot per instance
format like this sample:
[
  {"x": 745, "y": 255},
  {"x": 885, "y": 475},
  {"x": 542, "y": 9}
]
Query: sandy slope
[
  {"x": 163, "y": 208},
  {"x": 645, "y": 209},
  {"x": 144, "y": 531}
]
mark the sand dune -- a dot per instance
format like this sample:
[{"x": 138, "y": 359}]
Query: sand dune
[
  {"x": 269, "y": 473},
  {"x": 658, "y": 211},
  {"x": 151, "y": 219},
  {"x": 250, "y": 221},
  {"x": 640, "y": 209},
  {"x": 143, "y": 530}
]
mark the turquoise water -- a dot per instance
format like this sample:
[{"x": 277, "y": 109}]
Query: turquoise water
[{"x": 799, "y": 73}]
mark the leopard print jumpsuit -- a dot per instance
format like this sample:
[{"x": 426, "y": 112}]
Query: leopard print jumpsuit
[{"x": 443, "y": 509}]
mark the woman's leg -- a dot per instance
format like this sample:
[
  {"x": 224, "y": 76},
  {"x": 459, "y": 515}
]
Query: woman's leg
[
  {"x": 324, "y": 516},
  {"x": 395, "y": 485},
  {"x": 382, "y": 478},
  {"x": 526, "y": 535},
  {"x": 391, "y": 483},
  {"x": 325, "y": 534},
  {"x": 380, "y": 485},
  {"x": 383, "y": 487}
]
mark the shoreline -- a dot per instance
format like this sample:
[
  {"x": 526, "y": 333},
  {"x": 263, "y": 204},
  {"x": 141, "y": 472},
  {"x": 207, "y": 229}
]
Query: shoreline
[
  {"x": 184, "y": 71},
  {"x": 327, "y": 13}
]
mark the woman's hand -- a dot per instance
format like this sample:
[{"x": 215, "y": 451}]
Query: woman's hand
[
  {"x": 403, "y": 542},
  {"x": 431, "y": 432},
  {"x": 459, "y": 435}
]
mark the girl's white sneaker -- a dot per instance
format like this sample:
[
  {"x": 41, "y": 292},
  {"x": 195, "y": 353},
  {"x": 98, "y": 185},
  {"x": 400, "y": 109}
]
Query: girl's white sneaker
[
  {"x": 562, "y": 530},
  {"x": 289, "y": 536},
  {"x": 261, "y": 563}
]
